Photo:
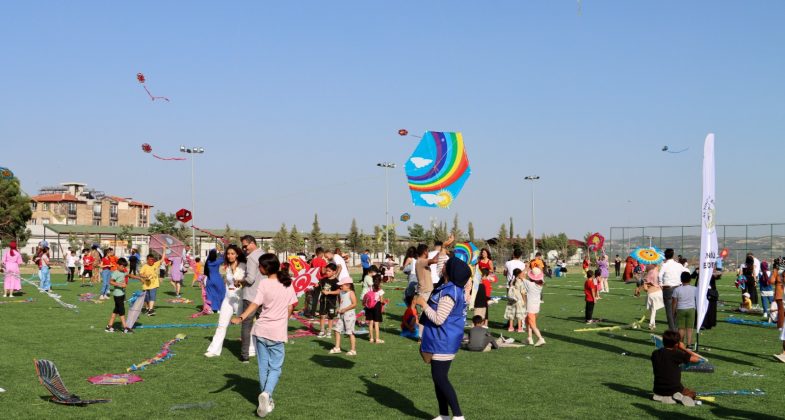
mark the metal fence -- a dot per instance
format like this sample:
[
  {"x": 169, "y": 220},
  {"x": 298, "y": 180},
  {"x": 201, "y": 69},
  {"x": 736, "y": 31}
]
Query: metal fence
[{"x": 766, "y": 241}]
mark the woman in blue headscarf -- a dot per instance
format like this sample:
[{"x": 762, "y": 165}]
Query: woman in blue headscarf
[
  {"x": 443, "y": 318},
  {"x": 216, "y": 289}
]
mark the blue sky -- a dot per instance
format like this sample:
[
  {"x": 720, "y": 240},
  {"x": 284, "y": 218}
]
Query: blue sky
[{"x": 296, "y": 102}]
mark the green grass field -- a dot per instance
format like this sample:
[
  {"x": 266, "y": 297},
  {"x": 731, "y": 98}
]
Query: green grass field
[{"x": 575, "y": 375}]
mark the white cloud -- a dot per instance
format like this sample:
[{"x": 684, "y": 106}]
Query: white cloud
[
  {"x": 420, "y": 162},
  {"x": 432, "y": 198}
]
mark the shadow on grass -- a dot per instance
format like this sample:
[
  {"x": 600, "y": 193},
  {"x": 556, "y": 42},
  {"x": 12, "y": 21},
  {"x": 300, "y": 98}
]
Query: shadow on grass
[
  {"x": 732, "y": 413},
  {"x": 662, "y": 414},
  {"x": 708, "y": 355},
  {"x": 595, "y": 345},
  {"x": 248, "y": 388},
  {"x": 581, "y": 320},
  {"x": 391, "y": 398},
  {"x": 335, "y": 362},
  {"x": 626, "y": 389}
]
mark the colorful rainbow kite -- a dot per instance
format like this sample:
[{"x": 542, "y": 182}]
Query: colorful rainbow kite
[
  {"x": 437, "y": 169},
  {"x": 467, "y": 252}
]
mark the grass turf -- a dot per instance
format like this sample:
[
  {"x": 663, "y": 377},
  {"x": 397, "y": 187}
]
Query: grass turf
[{"x": 575, "y": 375}]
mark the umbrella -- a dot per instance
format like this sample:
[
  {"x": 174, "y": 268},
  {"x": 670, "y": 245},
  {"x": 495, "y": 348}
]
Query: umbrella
[
  {"x": 595, "y": 241},
  {"x": 173, "y": 245},
  {"x": 437, "y": 169},
  {"x": 647, "y": 255}
]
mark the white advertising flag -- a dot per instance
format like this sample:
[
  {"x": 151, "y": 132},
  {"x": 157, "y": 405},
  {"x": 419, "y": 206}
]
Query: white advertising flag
[{"x": 709, "y": 252}]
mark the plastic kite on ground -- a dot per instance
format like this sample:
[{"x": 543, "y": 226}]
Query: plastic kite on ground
[
  {"x": 6, "y": 173},
  {"x": 164, "y": 355},
  {"x": 406, "y": 217},
  {"x": 28, "y": 300},
  {"x": 595, "y": 242},
  {"x": 149, "y": 149},
  {"x": 437, "y": 169},
  {"x": 467, "y": 252},
  {"x": 114, "y": 379},
  {"x": 142, "y": 80},
  {"x": 50, "y": 379},
  {"x": 647, "y": 255},
  {"x": 668, "y": 149}
]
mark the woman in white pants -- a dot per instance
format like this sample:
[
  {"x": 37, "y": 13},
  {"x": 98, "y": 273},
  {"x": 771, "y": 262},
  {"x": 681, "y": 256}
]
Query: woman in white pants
[{"x": 234, "y": 271}]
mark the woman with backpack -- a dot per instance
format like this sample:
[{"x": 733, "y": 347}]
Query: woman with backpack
[
  {"x": 516, "y": 301},
  {"x": 372, "y": 301}
]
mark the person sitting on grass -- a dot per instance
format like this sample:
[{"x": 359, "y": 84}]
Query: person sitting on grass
[
  {"x": 685, "y": 300},
  {"x": 118, "y": 281},
  {"x": 409, "y": 328},
  {"x": 666, "y": 364},
  {"x": 481, "y": 340},
  {"x": 590, "y": 296}
]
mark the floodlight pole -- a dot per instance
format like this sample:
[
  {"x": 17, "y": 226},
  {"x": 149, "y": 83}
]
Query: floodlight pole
[
  {"x": 192, "y": 151},
  {"x": 534, "y": 235},
  {"x": 387, "y": 166}
]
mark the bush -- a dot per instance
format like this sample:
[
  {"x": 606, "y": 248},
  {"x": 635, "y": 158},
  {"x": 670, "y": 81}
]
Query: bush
[{"x": 25, "y": 258}]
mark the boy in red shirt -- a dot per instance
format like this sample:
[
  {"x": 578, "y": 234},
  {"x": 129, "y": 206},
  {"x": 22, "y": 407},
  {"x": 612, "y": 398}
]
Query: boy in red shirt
[
  {"x": 590, "y": 294},
  {"x": 87, "y": 263}
]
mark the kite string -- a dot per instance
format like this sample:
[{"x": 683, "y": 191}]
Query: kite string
[
  {"x": 169, "y": 158},
  {"x": 152, "y": 98}
]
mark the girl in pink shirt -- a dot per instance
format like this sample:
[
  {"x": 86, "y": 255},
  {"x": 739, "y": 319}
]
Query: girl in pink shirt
[
  {"x": 276, "y": 296},
  {"x": 11, "y": 262}
]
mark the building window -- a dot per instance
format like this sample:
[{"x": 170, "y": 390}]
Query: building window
[
  {"x": 33, "y": 221},
  {"x": 44, "y": 221},
  {"x": 96, "y": 222},
  {"x": 46, "y": 206},
  {"x": 34, "y": 205},
  {"x": 97, "y": 210},
  {"x": 113, "y": 223},
  {"x": 113, "y": 210},
  {"x": 70, "y": 222},
  {"x": 72, "y": 209}
]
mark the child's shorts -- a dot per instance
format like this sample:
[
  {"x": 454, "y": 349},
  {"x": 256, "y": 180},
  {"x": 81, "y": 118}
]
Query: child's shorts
[
  {"x": 374, "y": 314},
  {"x": 345, "y": 323},
  {"x": 87, "y": 274},
  {"x": 150, "y": 295},
  {"x": 327, "y": 307},
  {"x": 119, "y": 305},
  {"x": 685, "y": 318}
]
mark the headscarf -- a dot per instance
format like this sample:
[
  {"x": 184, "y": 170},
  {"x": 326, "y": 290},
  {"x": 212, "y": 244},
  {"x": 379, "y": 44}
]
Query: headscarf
[
  {"x": 12, "y": 245},
  {"x": 458, "y": 272},
  {"x": 764, "y": 271}
]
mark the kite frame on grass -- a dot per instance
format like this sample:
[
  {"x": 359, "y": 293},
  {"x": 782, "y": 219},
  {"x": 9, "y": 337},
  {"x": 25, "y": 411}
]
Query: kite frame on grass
[
  {"x": 162, "y": 356},
  {"x": 49, "y": 377},
  {"x": 114, "y": 379}
]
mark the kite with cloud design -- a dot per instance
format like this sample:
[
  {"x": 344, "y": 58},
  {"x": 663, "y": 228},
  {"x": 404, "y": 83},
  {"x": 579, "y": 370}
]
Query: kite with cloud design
[{"x": 437, "y": 169}]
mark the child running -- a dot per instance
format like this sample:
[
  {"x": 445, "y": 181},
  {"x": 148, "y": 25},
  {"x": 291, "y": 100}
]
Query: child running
[
  {"x": 516, "y": 301},
  {"x": 197, "y": 271},
  {"x": 118, "y": 280},
  {"x": 372, "y": 301},
  {"x": 87, "y": 268},
  {"x": 148, "y": 274},
  {"x": 590, "y": 295},
  {"x": 346, "y": 317}
]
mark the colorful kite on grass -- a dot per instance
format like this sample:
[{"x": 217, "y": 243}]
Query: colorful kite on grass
[
  {"x": 114, "y": 379},
  {"x": 142, "y": 80},
  {"x": 437, "y": 169},
  {"x": 149, "y": 149},
  {"x": 164, "y": 355},
  {"x": 595, "y": 242}
]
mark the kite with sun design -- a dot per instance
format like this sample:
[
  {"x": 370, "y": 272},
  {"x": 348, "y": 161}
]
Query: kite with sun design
[{"x": 438, "y": 169}]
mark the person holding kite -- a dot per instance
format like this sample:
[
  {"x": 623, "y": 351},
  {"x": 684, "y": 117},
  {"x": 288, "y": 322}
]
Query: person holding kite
[
  {"x": 276, "y": 298},
  {"x": 443, "y": 320},
  {"x": 234, "y": 272},
  {"x": 150, "y": 279},
  {"x": 216, "y": 289},
  {"x": 604, "y": 266}
]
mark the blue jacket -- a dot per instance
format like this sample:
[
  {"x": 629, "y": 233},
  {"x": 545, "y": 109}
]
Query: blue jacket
[{"x": 445, "y": 338}]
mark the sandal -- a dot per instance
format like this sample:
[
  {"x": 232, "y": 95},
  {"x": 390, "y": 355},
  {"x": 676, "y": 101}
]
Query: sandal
[{"x": 379, "y": 341}]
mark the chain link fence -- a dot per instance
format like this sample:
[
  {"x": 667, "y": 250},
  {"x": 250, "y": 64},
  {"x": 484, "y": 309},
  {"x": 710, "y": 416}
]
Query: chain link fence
[{"x": 766, "y": 241}]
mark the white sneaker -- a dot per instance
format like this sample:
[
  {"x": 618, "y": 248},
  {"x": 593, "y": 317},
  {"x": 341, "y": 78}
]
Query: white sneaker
[
  {"x": 351, "y": 353},
  {"x": 687, "y": 401},
  {"x": 780, "y": 357},
  {"x": 663, "y": 399},
  {"x": 441, "y": 418},
  {"x": 264, "y": 404},
  {"x": 272, "y": 406},
  {"x": 540, "y": 342},
  {"x": 531, "y": 342},
  {"x": 208, "y": 354},
  {"x": 458, "y": 418},
  {"x": 335, "y": 350}
]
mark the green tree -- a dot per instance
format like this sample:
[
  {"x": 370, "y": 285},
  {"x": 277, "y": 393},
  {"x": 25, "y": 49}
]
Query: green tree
[
  {"x": 281, "y": 240},
  {"x": 353, "y": 240},
  {"x": 333, "y": 242},
  {"x": 456, "y": 230},
  {"x": 126, "y": 234},
  {"x": 316, "y": 237},
  {"x": 470, "y": 232},
  {"x": 512, "y": 230},
  {"x": 439, "y": 232},
  {"x": 296, "y": 241},
  {"x": 167, "y": 223},
  {"x": 74, "y": 242},
  {"x": 15, "y": 211},
  {"x": 503, "y": 242},
  {"x": 231, "y": 235},
  {"x": 418, "y": 234}
]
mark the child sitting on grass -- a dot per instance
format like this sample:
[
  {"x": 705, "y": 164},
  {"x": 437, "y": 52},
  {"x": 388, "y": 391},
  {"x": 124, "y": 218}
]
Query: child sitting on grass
[
  {"x": 590, "y": 296},
  {"x": 346, "y": 316},
  {"x": 409, "y": 321},
  {"x": 119, "y": 282},
  {"x": 666, "y": 364},
  {"x": 481, "y": 340}
]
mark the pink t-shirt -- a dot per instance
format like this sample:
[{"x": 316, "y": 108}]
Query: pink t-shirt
[{"x": 274, "y": 299}]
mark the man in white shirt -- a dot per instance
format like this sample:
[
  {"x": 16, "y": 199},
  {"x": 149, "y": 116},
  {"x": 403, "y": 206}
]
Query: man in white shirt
[
  {"x": 438, "y": 258},
  {"x": 670, "y": 279},
  {"x": 340, "y": 262},
  {"x": 514, "y": 263}
]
